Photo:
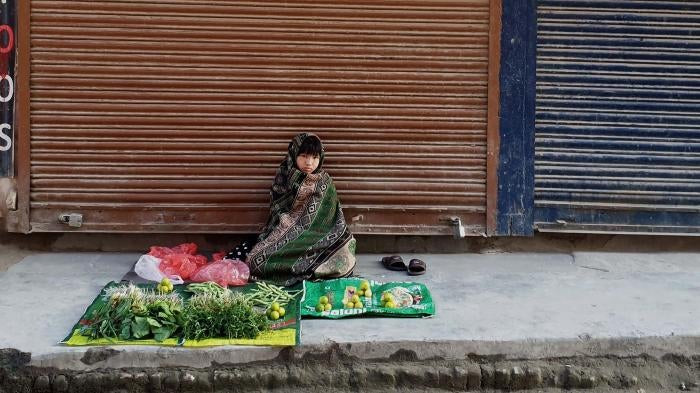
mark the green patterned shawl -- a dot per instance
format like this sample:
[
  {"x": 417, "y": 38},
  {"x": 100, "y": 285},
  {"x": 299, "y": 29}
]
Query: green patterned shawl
[{"x": 305, "y": 235}]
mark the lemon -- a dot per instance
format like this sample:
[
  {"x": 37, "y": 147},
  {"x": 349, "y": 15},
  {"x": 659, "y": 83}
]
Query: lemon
[
  {"x": 359, "y": 305},
  {"x": 355, "y": 298},
  {"x": 165, "y": 285},
  {"x": 387, "y": 297},
  {"x": 327, "y": 307},
  {"x": 275, "y": 306},
  {"x": 323, "y": 300},
  {"x": 368, "y": 293},
  {"x": 282, "y": 311},
  {"x": 360, "y": 293},
  {"x": 389, "y": 305},
  {"x": 274, "y": 315},
  {"x": 320, "y": 308},
  {"x": 349, "y": 305},
  {"x": 364, "y": 285}
]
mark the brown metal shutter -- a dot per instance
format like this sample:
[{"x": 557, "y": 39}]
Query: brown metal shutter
[{"x": 173, "y": 115}]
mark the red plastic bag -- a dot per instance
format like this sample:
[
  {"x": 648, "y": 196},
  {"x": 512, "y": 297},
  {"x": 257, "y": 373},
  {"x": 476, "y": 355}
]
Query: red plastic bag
[
  {"x": 217, "y": 256},
  {"x": 177, "y": 265},
  {"x": 178, "y": 261},
  {"x": 184, "y": 248},
  {"x": 224, "y": 272}
]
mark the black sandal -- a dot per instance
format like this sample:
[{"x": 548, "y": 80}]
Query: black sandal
[
  {"x": 394, "y": 262},
  {"x": 416, "y": 267}
]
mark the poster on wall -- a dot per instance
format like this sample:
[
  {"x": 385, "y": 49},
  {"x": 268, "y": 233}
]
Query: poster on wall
[{"x": 7, "y": 86}]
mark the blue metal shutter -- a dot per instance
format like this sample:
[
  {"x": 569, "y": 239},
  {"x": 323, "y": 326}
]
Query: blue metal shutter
[{"x": 617, "y": 134}]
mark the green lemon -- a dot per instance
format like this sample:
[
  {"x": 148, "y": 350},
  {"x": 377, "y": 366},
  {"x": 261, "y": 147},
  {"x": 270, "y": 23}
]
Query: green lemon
[
  {"x": 390, "y": 305},
  {"x": 327, "y": 307},
  {"x": 323, "y": 300},
  {"x": 282, "y": 311},
  {"x": 274, "y": 315},
  {"x": 320, "y": 307},
  {"x": 275, "y": 306}
]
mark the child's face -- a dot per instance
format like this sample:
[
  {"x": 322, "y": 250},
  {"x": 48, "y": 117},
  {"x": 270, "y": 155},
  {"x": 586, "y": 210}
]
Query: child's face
[{"x": 307, "y": 162}]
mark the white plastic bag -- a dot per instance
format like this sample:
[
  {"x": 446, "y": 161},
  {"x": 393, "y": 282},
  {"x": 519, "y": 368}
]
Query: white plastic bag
[{"x": 147, "y": 268}]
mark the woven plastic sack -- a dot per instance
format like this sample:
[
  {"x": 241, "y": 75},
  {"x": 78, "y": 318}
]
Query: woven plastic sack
[{"x": 408, "y": 299}]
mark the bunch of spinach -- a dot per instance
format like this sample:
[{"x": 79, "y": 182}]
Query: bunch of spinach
[{"x": 134, "y": 313}]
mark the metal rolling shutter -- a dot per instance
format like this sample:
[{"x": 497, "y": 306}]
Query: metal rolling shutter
[
  {"x": 618, "y": 116},
  {"x": 173, "y": 115}
]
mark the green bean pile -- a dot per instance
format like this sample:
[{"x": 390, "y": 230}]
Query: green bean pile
[
  {"x": 266, "y": 294},
  {"x": 209, "y": 287}
]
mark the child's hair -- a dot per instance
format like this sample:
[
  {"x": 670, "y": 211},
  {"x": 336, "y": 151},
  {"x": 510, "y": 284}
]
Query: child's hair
[{"x": 311, "y": 145}]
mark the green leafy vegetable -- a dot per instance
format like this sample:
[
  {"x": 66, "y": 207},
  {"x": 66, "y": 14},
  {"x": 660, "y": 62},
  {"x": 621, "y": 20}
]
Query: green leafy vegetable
[
  {"x": 222, "y": 315},
  {"x": 135, "y": 313}
]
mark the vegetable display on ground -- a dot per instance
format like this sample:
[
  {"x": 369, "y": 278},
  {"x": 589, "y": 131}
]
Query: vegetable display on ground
[
  {"x": 227, "y": 314},
  {"x": 351, "y": 297},
  {"x": 195, "y": 312},
  {"x": 135, "y": 313}
]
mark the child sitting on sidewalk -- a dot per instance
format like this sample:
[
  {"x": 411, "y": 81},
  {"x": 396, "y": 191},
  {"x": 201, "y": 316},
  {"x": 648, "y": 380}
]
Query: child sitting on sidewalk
[{"x": 305, "y": 235}]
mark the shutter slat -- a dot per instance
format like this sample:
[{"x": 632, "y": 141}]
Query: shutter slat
[
  {"x": 618, "y": 115},
  {"x": 179, "y": 104}
]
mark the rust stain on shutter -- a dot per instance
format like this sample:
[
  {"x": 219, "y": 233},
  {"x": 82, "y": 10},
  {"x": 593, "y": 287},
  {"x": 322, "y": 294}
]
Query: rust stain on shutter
[{"x": 173, "y": 116}]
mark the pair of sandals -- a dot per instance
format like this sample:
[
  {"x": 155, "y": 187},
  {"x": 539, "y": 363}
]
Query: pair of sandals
[{"x": 415, "y": 267}]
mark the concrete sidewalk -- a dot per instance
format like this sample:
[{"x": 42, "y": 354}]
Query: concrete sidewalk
[{"x": 522, "y": 305}]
